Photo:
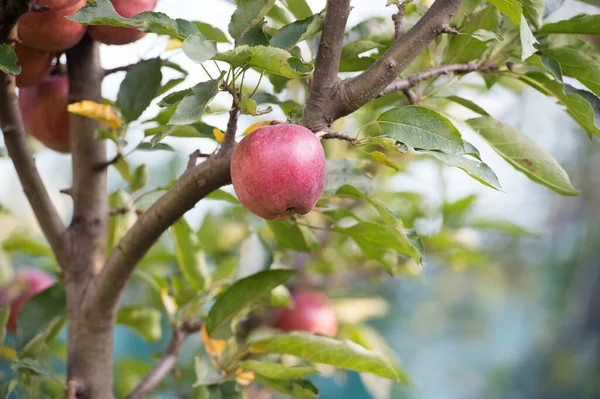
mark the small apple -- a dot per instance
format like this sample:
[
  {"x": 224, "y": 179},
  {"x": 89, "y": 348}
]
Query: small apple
[
  {"x": 27, "y": 283},
  {"x": 279, "y": 171},
  {"x": 310, "y": 312},
  {"x": 120, "y": 35},
  {"x": 50, "y": 30},
  {"x": 34, "y": 65},
  {"x": 44, "y": 109}
]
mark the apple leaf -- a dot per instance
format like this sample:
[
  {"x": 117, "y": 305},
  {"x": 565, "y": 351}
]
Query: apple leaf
[
  {"x": 299, "y": 8},
  {"x": 583, "y": 24},
  {"x": 534, "y": 11},
  {"x": 300, "y": 389},
  {"x": 270, "y": 59},
  {"x": 288, "y": 235},
  {"x": 38, "y": 312},
  {"x": 8, "y": 60},
  {"x": 298, "y": 31},
  {"x": 240, "y": 298},
  {"x": 26, "y": 244},
  {"x": 248, "y": 14},
  {"x": 190, "y": 257},
  {"x": 118, "y": 225},
  {"x": 527, "y": 40},
  {"x": 511, "y": 8},
  {"x": 465, "y": 47},
  {"x": 277, "y": 371},
  {"x": 138, "y": 89},
  {"x": 223, "y": 195},
  {"x": 467, "y": 104},
  {"x": 211, "y": 33},
  {"x": 421, "y": 128},
  {"x": 524, "y": 154},
  {"x": 198, "y": 49},
  {"x": 145, "y": 321},
  {"x": 319, "y": 349},
  {"x": 577, "y": 64}
]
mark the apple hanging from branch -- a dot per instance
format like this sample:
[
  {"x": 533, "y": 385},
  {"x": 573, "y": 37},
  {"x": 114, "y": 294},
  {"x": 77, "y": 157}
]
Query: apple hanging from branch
[
  {"x": 120, "y": 35},
  {"x": 310, "y": 312}
]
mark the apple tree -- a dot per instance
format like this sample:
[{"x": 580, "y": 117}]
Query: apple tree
[{"x": 313, "y": 213}]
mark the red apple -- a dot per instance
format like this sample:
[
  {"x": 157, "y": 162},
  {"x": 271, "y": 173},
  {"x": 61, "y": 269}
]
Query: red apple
[
  {"x": 27, "y": 283},
  {"x": 310, "y": 312},
  {"x": 44, "y": 109},
  {"x": 34, "y": 65},
  {"x": 120, "y": 35},
  {"x": 50, "y": 30},
  {"x": 278, "y": 171}
]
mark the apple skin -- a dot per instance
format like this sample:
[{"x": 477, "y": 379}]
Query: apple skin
[
  {"x": 278, "y": 171},
  {"x": 34, "y": 64},
  {"x": 44, "y": 109},
  {"x": 50, "y": 30},
  {"x": 310, "y": 312},
  {"x": 119, "y": 35},
  {"x": 27, "y": 283}
]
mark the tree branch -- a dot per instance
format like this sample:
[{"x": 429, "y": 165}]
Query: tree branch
[
  {"x": 398, "y": 19},
  {"x": 123, "y": 68},
  {"x": 229, "y": 140},
  {"x": 11, "y": 124},
  {"x": 413, "y": 80},
  {"x": 167, "y": 362},
  {"x": 325, "y": 77},
  {"x": 357, "y": 91}
]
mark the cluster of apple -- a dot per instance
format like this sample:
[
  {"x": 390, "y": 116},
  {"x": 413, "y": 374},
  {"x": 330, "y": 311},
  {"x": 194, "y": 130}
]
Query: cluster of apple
[{"x": 44, "y": 36}]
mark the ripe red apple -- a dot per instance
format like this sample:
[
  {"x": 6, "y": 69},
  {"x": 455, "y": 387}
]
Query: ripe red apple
[
  {"x": 27, "y": 283},
  {"x": 50, "y": 30},
  {"x": 34, "y": 65},
  {"x": 119, "y": 35},
  {"x": 278, "y": 171},
  {"x": 310, "y": 312},
  {"x": 44, "y": 109}
]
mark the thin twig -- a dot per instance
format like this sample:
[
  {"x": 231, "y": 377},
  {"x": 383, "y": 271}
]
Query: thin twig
[
  {"x": 118, "y": 211},
  {"x": 338, "y": 136},
  {"x": 124, "y": 68},
  {"x": 229, "y": 140},
  {"x": 194, "y": 157},
  {"x": 398, "y": 18},
  {"x": 413, "y": 98},
  {"x": 167, "y": 362},
  {"x": 112, "y": 161}
]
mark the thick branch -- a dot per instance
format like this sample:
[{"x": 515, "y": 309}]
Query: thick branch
[
  {"x": 325, "y": 77},
  {"x": 413, "y": 80},
  {"x": 357, "y": 91},
  {"x": 11, "y": 123},
  {"x": 167, "y": 362}
]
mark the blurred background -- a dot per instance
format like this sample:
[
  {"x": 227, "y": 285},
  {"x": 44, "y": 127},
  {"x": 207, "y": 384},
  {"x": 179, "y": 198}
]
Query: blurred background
[{"x": 519, "y": 317}]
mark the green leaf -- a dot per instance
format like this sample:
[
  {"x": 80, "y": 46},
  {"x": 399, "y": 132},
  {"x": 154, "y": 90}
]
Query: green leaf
[
  {"x": 297, "y": 32},
  {"x": 102, "y": 12},
  {"x": 534, "y": 11},
  {"x": 352, "y": 50},
  {"x": 198, "y": 49},
  {"x": 270, "y": 59},
  {"x": 191, "y": 108},
  {"x": 421, "y": 128},
  {"x": 464, "y": 47},
  {"x": 299, "y": 8},
  {"x": 255, "y": 36},
  {"x": 524, "y": 154},
  {"x": 577, "y": 64},
  {"x": 190, "y": 257},
  {"x": 119, "y": 224},
  {"x": 281, "y": 297},
  {"x": 501, "y": 226},
  {"x": 211, "y": 33},
  {"x": 276, "y": 371},
  {"x": 383, "y": 159},
  {"x": 346, "y": 171},
  {"x": 8, "y": 60},
  {"x": 248, "y": 106},
  {"x": 527, "y": 40},
  {"x": 241, "y": 297},
  {"x": 583, "y": 24},
  {"x": 206, "y": 373},
  {"x": 288, "y": 235},
  {"x": 300, "y": 389},
  {"x": 248, "y": 14},
  {"x": 38, "y": 312},
  {"x": 25, "y": 244},
  {"x": 139, "y": 178},
  {"x": 39, "y": 367},
  {"x": 140, "y": 86},
  {"x": 223, "y": 195},
  {"x": 467, "y": 104},
  {"x": 171, "y": 84},
  {"x": 157, "y": 147},
  {"x": 4, "y": 314},
  {"x": 477, "y": 170},
  {"x": 319, "y": 349},
  {"x": 510, "y": 8},
  {"x": 37, "y": 347},
  {"x": 143, "y": 320}
]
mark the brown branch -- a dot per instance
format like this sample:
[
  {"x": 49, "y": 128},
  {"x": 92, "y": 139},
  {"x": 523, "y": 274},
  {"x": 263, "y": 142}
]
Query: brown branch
[
  {"x": 338, "y": 136},
  {"x": 413, "y": 98},
  {"x": 398, "y": 18},
  {"x": 325, "y": 77},
  {"x": 413, "y": 80},
  {"x": 124, "y": 68},
  {"x": 357, "y": 91},
  {"x": 229, "y": 140},
  {"x": 167, "y": 362},
  {"x": 11, "y": 124},
  {"x": 194, "y": 157}
]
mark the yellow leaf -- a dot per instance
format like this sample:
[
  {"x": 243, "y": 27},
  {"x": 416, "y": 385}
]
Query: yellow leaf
[
  {"x": 255, "y": 126},
  {"x": 214, "y": 347},
  {"x": 219, "y": 135},
  {"x": 168, "y": 302},
  {"x": 100, "y": 112},
  {"x": 173, "y": 44},
  {"x": 383, "y": 159},
  {"x": 258, "y": 348},
  {"x": 244, "y": 378},
  {"x": 8, "y": 353}
]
